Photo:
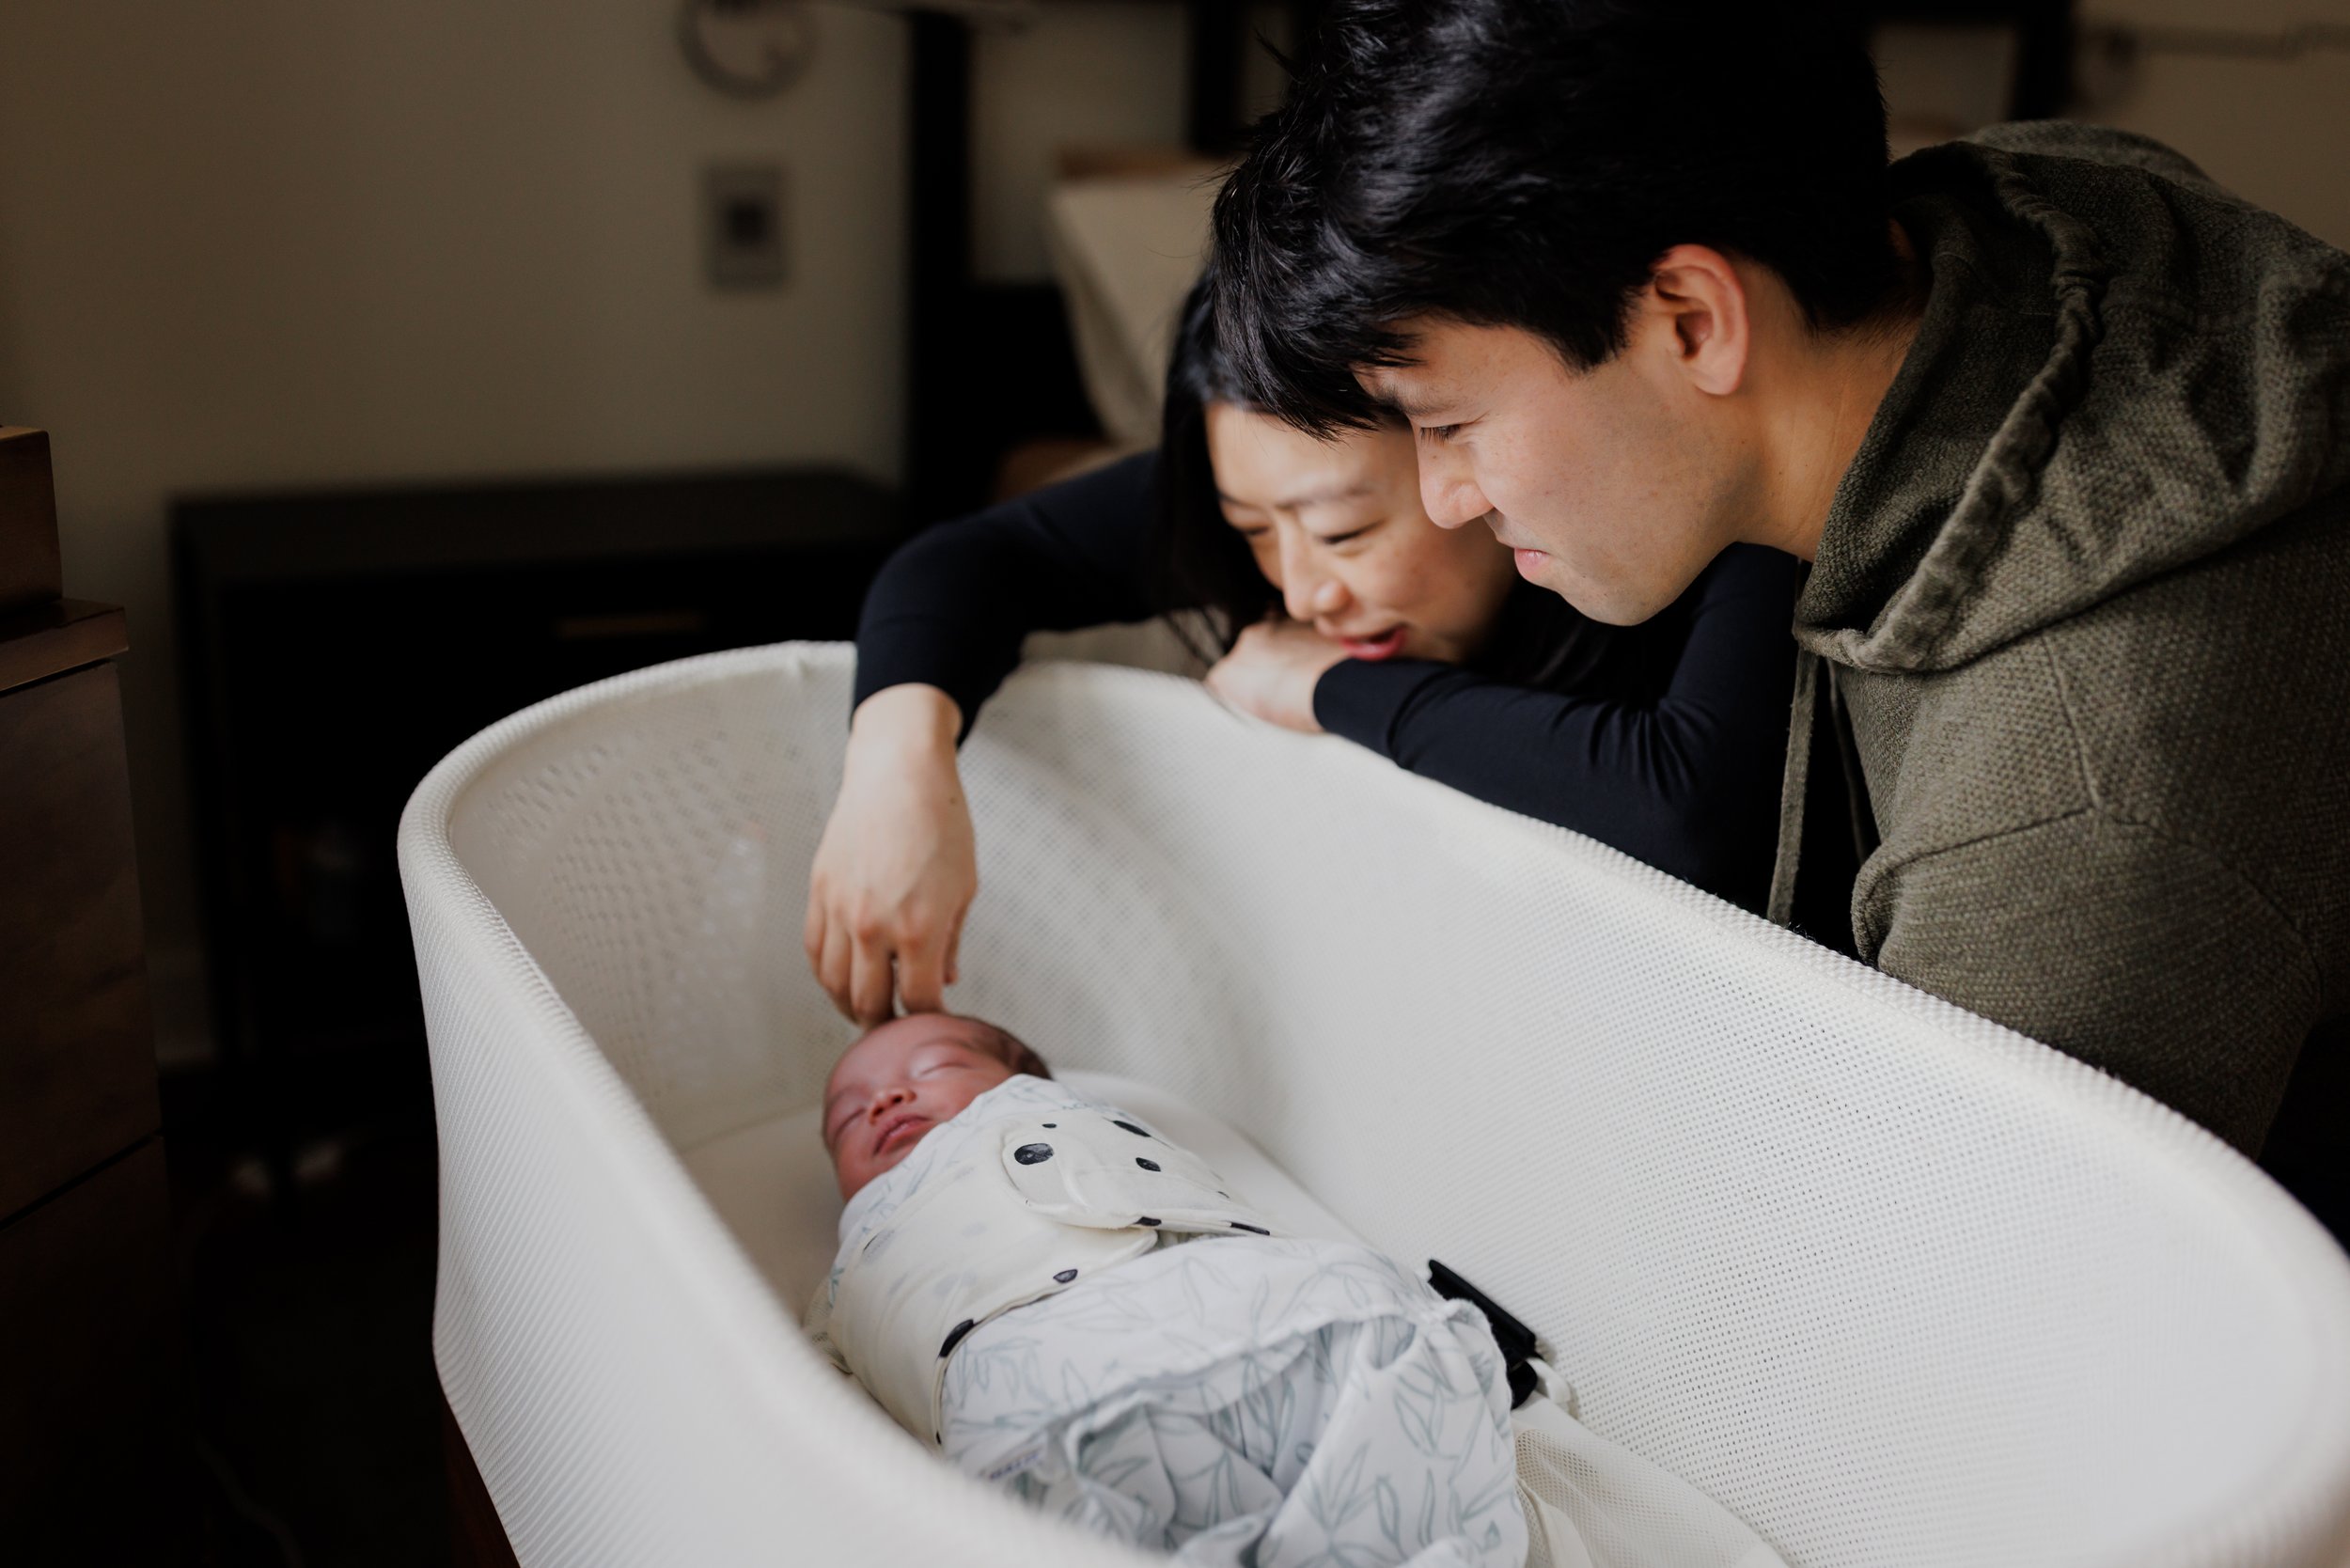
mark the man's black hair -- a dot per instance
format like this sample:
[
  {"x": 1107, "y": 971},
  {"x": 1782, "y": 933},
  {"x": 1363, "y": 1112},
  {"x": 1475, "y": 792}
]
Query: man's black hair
[{"x": 1524, "y": 162}]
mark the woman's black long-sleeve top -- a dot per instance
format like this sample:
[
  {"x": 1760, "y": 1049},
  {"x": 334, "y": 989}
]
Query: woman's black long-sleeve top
[{"x": 1665, "y": 740}]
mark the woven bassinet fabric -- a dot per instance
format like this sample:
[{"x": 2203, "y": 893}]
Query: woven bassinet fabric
[{"x": 1892, "y": 1284}]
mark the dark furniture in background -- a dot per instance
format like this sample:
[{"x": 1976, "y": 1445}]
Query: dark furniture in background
[
  {"x": 335, "y": 646},
  {"x": 2044, "y": 43},
  {"x": 90, "y": 1418},
  {"x": 991, "y": 365}
]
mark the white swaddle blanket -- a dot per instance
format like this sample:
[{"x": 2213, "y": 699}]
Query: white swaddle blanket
[{"x": 1008, "y": 1292}]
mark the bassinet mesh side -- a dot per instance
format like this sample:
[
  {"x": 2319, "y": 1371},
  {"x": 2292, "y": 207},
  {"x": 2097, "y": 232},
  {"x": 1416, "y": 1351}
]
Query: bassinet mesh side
[
  {"x": 630, "y": 1388},
  {"x": 1895, "y": 1285}
]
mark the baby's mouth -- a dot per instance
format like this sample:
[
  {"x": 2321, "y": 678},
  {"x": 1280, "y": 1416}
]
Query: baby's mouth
[{"x": 900, "y": 1130}]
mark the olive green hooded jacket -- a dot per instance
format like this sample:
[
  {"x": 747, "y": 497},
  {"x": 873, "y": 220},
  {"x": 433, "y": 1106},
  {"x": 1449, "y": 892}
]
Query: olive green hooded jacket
[{"x": 2082, "y": 609}]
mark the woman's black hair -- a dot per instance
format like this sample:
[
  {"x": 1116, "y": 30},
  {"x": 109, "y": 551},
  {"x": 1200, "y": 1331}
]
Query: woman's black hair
[{"x": 1203, "y": 563}]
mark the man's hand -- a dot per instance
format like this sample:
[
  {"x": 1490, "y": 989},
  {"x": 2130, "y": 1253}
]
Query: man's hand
[
  {"x": 1272, "y": 672},
  {"x": 897, "y": 869}
]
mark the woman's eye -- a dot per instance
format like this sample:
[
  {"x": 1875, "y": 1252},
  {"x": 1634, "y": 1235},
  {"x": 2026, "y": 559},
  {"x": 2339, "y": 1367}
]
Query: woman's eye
[
  {"x": 1439, "y": 433},
  {"x": 1350, "y": 534}
]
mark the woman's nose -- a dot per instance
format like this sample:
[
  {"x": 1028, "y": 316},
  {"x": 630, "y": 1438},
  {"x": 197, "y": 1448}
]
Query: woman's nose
[{"x": 1307, "y": 590}]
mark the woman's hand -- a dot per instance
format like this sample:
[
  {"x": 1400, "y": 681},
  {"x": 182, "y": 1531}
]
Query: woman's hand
[
  {"x": 897, "y": 869},
  {"x": 1271, "y": 671}
]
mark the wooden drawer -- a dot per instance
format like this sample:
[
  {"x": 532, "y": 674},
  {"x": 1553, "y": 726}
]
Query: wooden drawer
[
  {"x": 77, "y": 1069},
  {"x": 90, "y": 1423}
]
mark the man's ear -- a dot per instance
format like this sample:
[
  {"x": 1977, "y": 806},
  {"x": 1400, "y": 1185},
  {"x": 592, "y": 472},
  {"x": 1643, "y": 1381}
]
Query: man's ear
[{"x": 1695, "y": 293}]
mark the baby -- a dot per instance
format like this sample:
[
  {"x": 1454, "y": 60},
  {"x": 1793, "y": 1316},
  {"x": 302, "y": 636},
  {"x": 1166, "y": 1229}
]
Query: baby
[{"x": 1010, "y": 1287}]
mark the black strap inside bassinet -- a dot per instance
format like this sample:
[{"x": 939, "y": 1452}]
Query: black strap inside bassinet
[{"x": 1515, "y": 1339}]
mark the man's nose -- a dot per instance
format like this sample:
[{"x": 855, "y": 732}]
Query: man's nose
[{"x": 1447, "y": 490}]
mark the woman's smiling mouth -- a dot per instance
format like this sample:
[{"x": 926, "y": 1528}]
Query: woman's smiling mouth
[{"x": 1386, "y": 645}]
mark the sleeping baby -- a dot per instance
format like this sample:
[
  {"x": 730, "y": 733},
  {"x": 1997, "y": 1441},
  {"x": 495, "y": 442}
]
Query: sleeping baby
[{"x": 1072, "y": 1308}]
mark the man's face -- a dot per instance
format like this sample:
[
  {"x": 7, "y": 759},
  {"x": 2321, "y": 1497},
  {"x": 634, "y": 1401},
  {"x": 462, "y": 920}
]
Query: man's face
[
  {"x": 896, "y": 1083},
  {"x": 1613, "y": 486}
]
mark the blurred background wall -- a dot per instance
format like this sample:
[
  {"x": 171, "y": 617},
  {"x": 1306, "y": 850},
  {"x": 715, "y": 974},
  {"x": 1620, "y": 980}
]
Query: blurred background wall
[
  {"x": 2258, "y": 91},
  {"x": 253, "y": 243}
]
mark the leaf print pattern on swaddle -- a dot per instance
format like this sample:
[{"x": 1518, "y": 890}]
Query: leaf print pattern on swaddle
[{"x": 1280, "y": 1402}]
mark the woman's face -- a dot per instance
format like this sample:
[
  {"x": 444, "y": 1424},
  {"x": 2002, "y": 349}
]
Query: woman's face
[{"x": 1337, "y": 527}]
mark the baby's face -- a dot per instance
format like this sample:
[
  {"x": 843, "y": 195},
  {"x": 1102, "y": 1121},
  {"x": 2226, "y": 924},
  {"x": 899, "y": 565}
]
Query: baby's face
[{"x": 898, "y": 1083}]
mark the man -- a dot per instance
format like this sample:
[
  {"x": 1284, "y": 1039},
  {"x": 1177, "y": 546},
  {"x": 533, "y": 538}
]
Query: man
[{"x": 2063, "y": 429}]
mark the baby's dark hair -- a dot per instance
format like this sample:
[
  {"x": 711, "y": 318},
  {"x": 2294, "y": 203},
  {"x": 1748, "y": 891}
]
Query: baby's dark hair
[{"x": 1012, "y": 1051}]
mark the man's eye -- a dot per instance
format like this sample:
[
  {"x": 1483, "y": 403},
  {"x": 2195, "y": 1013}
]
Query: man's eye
[
  {"x": 1439, "y": 433},
  {"x": 1351, "y": 533}
]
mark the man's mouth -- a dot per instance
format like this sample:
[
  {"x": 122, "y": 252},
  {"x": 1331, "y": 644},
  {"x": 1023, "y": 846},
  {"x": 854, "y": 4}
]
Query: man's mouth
[
  {"x": 1528, "y": 562},
  {"x": 900, "y": 1130},
  {"x": 1502, "y": 536},
  {"x": 1386, "y": 645}
]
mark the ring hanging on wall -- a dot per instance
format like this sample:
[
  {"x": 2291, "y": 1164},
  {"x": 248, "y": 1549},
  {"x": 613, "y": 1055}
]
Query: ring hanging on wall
[{"x": 747, "y": 48}]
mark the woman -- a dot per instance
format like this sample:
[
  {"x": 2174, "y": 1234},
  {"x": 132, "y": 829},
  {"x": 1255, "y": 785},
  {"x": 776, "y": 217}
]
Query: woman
[{"x": 1339, "y": 607}]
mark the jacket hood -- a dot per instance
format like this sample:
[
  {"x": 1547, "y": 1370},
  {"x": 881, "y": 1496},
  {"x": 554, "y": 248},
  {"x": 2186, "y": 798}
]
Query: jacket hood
[{"x": 2120, "y": 370}]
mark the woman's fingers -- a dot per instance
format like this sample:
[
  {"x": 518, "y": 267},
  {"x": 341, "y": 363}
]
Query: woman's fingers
[
  {"x": 1271, "y": 671},
  {"x": 832, "y": 964},
  {"x": 870, "y": 975},
  {"x": 813, "y": 926},
  {"x": 922, "y": 969},
  {"x": 895, "y": 868}
]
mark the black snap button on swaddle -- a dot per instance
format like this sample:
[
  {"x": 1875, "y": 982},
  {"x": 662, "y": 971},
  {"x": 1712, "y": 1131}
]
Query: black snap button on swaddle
[
  {"x": 1033, "y": 1153},
  {"x": 954, "y": 1337},
  {"x": 1064, "y": 1276},
  {"x": 1147, "y": 1165}
]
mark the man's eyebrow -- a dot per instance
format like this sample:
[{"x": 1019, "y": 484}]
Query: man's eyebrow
[
  {"x": 1406, "y": 407},
  {"x": 1380, "y": 387}
]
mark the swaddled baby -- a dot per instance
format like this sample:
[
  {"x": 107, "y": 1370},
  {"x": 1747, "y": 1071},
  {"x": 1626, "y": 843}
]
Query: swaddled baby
[{"x": 1011, "y": 1288}]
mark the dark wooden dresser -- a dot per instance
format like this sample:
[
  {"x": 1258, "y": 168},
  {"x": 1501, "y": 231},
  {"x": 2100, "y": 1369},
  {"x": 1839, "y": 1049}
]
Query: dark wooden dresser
[{"x": 89, "y": 1427}]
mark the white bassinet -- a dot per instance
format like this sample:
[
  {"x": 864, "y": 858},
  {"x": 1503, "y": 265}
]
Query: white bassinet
[{"x": 1897, "y": 1286}]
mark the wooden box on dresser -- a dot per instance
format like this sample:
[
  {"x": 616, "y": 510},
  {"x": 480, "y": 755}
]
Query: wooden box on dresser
[{"x": 89, "y": 1417}]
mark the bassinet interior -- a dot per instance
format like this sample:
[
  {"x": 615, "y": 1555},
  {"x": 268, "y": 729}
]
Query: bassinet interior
[{"x": 1895, "y": 1285}]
